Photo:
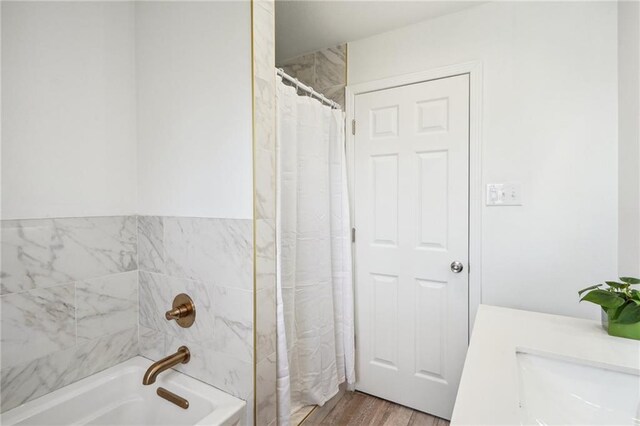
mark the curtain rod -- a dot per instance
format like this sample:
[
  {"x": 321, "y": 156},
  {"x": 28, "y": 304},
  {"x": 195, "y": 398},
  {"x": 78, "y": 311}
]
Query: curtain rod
[{"x": 307, "y": 89}]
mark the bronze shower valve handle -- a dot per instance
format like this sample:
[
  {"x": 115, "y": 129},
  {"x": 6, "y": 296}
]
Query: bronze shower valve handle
[
  {"x": 178, "y": 312},
  {"x": 183, "y": 311}
]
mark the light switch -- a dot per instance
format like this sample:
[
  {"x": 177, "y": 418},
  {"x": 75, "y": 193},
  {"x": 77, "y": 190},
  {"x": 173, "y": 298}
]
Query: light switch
[{"x": 504, "y": 194}]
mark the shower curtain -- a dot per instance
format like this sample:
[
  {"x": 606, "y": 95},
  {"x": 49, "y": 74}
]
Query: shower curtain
[{"x": 315, "y": 318}]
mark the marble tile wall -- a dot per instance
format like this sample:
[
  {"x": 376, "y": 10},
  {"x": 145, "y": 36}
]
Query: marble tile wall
[
  {"x": 325, "y": 70},
  {"x": 264, "y": 152},
  {"x": 46, "y": 252},
  {"x": 82, "y": 294},
  {"x": 212, "y": 261},
  {"x": 69, "y": 301}
]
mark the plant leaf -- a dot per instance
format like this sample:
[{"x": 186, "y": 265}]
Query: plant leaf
[
  {"x": 630, "y": 314},
  {"x": 617, "y": 285},
  {"x": 635, "y": 295},
  {"x": 604, "y": 298},
  {"x": 588, "y": 288},
  {"x": 630, "y": 280},
  {"x": 614, "y": 313}
]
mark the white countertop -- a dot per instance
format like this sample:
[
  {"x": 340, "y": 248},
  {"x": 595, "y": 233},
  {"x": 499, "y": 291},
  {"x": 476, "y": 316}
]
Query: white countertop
[{"x": 488, "y": 392}]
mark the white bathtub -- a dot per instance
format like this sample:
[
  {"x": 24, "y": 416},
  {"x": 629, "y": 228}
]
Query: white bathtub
[{"x": 116, "y": 396}]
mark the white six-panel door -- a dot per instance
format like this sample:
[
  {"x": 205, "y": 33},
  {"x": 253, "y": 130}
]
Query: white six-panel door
[{"x": 411, "y": 215}]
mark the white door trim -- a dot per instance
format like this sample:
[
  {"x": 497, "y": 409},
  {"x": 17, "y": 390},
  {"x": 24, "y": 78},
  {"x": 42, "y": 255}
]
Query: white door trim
[{"x": 474, "y": 69}]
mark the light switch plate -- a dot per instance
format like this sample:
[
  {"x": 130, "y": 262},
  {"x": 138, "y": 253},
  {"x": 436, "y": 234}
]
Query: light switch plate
[{"x": 504, "y": 194}]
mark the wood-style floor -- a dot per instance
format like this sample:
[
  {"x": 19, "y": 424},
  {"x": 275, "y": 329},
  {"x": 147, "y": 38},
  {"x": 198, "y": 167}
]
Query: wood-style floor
[{"x": 359, "y": 409}]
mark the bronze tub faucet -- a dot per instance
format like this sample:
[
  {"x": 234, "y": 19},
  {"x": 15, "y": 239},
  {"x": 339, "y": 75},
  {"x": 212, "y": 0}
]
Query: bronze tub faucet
[{"x": 182, "y": 356}]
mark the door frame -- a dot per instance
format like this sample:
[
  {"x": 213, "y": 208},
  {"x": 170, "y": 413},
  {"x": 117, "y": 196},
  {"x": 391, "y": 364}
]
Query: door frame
[{"x": 474, "y": 70}]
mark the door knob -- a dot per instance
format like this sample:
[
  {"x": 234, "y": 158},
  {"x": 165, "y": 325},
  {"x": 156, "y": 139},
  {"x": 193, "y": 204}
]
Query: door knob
[{"x": 456, "y": 267}]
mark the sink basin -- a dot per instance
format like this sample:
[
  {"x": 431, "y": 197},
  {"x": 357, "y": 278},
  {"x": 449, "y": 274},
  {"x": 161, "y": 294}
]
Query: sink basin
[{"x": 554, "y": 391}]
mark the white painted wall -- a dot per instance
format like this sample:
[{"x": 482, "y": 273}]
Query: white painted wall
[
  {"x": 629, "y": 146},
  {"x": 68, "y": 98},
  {"x": 112, "y": 109},
  {"x": 194, "y": 109},
  {"x": 549, "y": 121}
]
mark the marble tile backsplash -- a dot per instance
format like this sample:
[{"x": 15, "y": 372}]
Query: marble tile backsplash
[
  {"x": 325, "y": 70},
  {"x": 69, "y": 301},
  {"x": 224, "y": 316},
  {"x": 30, "y": 380},
  {"x": 106, "y": 305},
  {"x": 75, "y": 291},
  {"x": 37, "y": 323},
  {"x": 200, "y": 249},
  {"x": 40, "y": 253},
  {"x": 212, "y": 261}
]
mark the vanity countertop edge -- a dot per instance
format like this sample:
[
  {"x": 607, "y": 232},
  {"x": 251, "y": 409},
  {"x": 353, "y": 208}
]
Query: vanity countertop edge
[{"x": 488, "y": 391}]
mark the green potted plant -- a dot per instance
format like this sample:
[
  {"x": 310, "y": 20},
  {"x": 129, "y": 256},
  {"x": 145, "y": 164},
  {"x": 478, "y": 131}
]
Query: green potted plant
[{"x": 620, "y": 305}]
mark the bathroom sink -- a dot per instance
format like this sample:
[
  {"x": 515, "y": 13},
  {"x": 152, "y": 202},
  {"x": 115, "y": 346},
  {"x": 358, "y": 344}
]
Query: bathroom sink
[{"x": 553, "y": 391}]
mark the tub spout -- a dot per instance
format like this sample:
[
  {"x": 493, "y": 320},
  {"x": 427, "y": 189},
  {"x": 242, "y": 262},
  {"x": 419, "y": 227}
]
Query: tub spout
[{"x": 181, "y": 356}]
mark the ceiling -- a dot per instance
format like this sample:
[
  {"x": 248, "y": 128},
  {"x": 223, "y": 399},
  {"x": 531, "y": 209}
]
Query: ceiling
[{"x": 303, "y": 26}]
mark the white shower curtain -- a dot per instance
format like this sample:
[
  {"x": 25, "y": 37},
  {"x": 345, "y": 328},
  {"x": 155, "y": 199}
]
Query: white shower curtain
[{"x": 315, "y": 293}]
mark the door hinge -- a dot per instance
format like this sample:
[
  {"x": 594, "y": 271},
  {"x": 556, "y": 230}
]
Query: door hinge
[
  {"x": 353, "y": 235},
  {"x": 353, "y": 127}
]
